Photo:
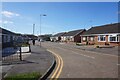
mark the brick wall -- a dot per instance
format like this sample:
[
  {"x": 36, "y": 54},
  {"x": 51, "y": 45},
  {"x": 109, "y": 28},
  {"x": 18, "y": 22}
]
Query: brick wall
[
  {"x": 77, "y": 38},
  {"x": 96, "y": 42}
]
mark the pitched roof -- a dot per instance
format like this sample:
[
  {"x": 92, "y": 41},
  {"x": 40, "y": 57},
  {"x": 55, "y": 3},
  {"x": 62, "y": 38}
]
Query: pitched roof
[
  {"x": 59, "y": 34},
  {"x": 8, "y": 32},
  {"x": 109, "y": 28},
  {"x": 73, "y": 33},
  {"x": 5, "y": 31}
]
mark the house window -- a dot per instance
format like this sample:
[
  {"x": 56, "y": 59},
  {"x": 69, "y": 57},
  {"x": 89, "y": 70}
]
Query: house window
[
  {"x": 5, "y": 38},
  {"x": 8, "y": 38},
  {"x": 71, "y": 38},
  {"x": 84, "y": 38},
  {"x": 91, "y": 38},
  {"x": 101, "y": 38},
  {"x": 113, "y": 38}
]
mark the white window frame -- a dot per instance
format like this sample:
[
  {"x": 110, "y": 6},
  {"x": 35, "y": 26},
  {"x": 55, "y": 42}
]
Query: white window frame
[
  {"x": 91, "y": 38},
  {"x": 102, "y": 36},
  {"x": 84, "y": 38},
  {"x": 116, "y": 36},
  {"x": 71, "y": 38}
]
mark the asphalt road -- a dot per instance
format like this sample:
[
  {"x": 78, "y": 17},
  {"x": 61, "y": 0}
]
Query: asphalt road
[{"x": 84, "y": 64}]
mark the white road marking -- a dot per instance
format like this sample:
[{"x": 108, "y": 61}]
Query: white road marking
[
  {"x": 84, "y": 55},
  {"x": 101, "y": 53},
  {"x": 61, "y": 48},
  {"x": 77, "y": 53}
]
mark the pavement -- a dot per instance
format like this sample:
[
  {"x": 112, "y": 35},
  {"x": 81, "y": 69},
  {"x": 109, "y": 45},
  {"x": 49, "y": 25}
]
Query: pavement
[
  {"x": 78, "y": 63},
  {"x": 38, "y": 61}
]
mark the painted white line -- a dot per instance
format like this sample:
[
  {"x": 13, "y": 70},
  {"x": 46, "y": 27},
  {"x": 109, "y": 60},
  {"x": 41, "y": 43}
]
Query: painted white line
[
  {"x": 62, "y": 49},
  {"x": 83, "y": 55},
  {"x": 77, "y": 53},
  {"x": 99, "y": 53}
]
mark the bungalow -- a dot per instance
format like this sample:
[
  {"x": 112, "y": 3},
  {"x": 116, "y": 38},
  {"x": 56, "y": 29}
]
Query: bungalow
[
  {"x": 72, "y": 36},
  {"x": 45, "y": 37},
  {"x": 8, "y": 38},
  {"x": 102, "y": 35},
  {"x": 57, "y": 37}
]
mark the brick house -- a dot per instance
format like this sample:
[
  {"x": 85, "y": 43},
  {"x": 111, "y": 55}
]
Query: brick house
[
  {"x": 57, "y": 37},
  {"x": 72, "y": 36},
  {"x": 102, "y": 35}
]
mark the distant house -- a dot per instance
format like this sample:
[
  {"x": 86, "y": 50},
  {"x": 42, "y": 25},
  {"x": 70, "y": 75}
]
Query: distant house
[
  {"x": 102, "y": 35},
  {"x": 57, "y": 37},
  {"x": 45, "y": 37},
  {"x": 30, "y": 36},
  {"x": 73, "y": 36}
]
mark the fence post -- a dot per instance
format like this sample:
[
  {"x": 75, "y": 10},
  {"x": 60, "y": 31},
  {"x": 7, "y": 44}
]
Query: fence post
[{"x": 20, "y": 54}]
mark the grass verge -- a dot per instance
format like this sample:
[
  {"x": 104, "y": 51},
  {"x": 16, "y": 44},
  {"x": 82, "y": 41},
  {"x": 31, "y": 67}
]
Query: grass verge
[{"x": 24, "y": 76}]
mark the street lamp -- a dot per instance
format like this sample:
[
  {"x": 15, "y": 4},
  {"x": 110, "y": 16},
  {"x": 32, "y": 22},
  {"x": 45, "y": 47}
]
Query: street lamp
[
  {"x": 40, "y": 25},
  {"x": 33, "y": 28}
]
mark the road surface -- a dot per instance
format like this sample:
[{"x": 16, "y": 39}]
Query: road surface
[{"x": 76, "y": 63}]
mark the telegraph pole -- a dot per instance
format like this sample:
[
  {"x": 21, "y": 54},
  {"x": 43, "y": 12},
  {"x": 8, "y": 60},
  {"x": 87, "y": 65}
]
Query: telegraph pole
[{"x": 33, "y": 28}]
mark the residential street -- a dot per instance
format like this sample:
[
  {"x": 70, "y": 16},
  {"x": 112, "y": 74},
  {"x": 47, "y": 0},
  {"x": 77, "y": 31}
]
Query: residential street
[
  {"x": 79, "y": 63},
  {"x": 57, "y": 40}
]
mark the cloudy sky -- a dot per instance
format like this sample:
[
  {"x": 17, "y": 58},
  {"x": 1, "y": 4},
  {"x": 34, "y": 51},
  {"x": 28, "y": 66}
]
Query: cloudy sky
[{"x": 62, "y": 16}]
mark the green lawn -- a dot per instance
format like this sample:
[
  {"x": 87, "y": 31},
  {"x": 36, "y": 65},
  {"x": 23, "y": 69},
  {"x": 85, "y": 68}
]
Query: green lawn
[{"x": 24, "y": 76}]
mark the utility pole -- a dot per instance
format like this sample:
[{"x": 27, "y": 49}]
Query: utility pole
[
  {"x": 33, "y": 34},
  {"x": 33, "y": 28}
]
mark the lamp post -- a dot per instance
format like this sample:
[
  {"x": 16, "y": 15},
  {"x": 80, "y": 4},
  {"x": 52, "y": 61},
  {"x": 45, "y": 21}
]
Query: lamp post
[
  {"x": 33, "y": 28},
  {"x": 40, "y": 25}
]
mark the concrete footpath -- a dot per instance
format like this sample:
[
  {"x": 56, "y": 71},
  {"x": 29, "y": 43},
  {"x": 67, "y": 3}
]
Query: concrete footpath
[{"x": 39, "y": 60}]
